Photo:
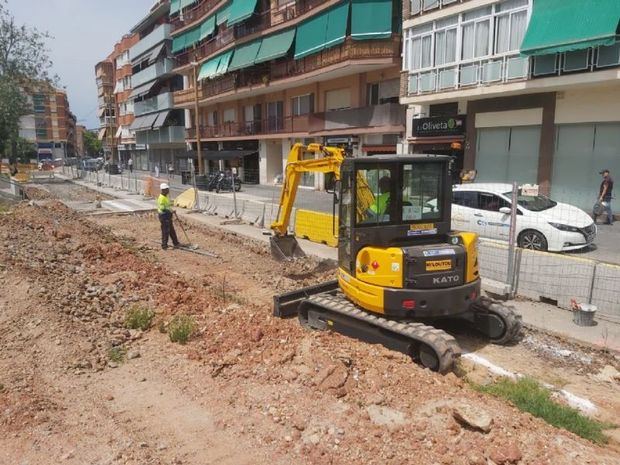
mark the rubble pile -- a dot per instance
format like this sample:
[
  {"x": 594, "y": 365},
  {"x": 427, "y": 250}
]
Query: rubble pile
[{"x": 313, "y": 397}]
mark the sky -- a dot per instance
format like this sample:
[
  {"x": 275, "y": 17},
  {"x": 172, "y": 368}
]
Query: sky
[{"x": 84, "y": 32}]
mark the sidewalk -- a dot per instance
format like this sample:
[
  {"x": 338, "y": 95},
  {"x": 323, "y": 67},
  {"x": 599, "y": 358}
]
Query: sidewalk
[{"x": 536, "y": 314}]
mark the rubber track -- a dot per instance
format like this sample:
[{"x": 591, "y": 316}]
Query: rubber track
[
  {"x": 443, "y": 344},
  {"x": 512, "y": 319}
]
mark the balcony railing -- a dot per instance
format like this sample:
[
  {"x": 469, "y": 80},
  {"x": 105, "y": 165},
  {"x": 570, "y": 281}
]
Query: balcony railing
[
  {"x": 389, "y": 114},
  {"x": 163, "y": 135},
  {"x": 193, "y": 14},
  {"x": 257, "y": 23},
  {"x": 510, "y": 68},
  {"x": 105, "y": 81},
  {"x": 161, "y": 102},
  {"x": 152, "y": 72},
  {"x": 157, "y": 36},
  {"x": 350, "y": 50}
]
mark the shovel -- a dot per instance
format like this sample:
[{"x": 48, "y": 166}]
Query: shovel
[{"x": 188, "y": 246}]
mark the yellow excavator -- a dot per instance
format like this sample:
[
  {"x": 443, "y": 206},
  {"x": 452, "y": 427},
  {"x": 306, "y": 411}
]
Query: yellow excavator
[{"x": 400, "y": 264}]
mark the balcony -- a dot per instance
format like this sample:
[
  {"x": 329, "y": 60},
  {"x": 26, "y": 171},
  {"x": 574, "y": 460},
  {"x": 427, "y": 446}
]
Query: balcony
[
  {"x": 161, "y": 102},
  {"x": 386, "y": 115},
  {"x": 153, "y": 72},
  {"x": 193, "y": 14},
  {"x": 105, "y": 81},
  {"x": 510, "y": 68},
  {"x": 164, "y": 135},
  {"x": 157, "y": 36},
  {"x": 258, "y": 23},
  {"x": 254, "y": 77}
]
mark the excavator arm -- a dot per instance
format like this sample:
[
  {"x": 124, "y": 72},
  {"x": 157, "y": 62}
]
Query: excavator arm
[{"x": 282, "y": 245}]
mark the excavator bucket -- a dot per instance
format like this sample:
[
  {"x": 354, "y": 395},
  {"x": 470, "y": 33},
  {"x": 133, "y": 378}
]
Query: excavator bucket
[{"x": 285, "y": 248}]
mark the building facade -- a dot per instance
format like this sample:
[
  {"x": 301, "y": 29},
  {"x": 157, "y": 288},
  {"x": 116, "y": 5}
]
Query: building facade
[
  {"x": 106, "y": 105},
  {"x": 519, "y": 90},
  {"x": 264, "y": 75},
  {"x": 80, "y": 150},
  {"x": 159, "y": 128},
  {"x": 124, "y": 137},
  {"x": 51, "y": 125}
]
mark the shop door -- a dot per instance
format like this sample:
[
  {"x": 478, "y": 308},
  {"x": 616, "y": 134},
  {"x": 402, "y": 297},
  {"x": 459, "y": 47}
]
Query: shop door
[
  {"x": 508, "y": 154},
  {"x": 581, "y": 151}
]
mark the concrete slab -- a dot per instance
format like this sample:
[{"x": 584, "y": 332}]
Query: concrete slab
[{"x": 127, "y": 205}]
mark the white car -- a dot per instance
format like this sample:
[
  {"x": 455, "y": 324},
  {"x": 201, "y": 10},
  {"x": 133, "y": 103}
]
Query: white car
[{"x": 542, "y": 224}]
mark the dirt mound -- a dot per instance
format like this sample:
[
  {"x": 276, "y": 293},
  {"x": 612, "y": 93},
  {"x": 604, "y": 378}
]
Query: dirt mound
[{"x": 306, "y": 397}]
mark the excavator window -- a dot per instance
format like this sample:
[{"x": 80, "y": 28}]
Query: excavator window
[
  {"x": 375, "y": 194},
  {"x": 422, "y": 186}
]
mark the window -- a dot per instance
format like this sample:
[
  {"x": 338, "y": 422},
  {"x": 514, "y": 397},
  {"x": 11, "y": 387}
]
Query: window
[
  {"x": 38, "y": 102},
  {"x": 229, "y": 115},
  {"x": 383, "y": 92},
  {"x": 212, "y": 119},
  {"x": 422, "y": 192},
  {"x": 467, "y": 199},
  {"x": 338, "y": 99},
  {"x": 476, "y": 33},
  {"x": 302, "y": 104},
  {"x": 374, "y": 194},
  {"x": 491, "y": 202},
  {"x": 275, "y": 115},
  {"x": 511, "y": 24}
]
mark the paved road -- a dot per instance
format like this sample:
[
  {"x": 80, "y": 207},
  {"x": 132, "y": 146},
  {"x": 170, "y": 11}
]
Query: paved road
[{"x": 606, "y": 247}]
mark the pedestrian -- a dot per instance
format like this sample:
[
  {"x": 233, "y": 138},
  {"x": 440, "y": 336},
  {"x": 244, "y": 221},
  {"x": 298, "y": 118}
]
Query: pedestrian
[
  {"x": 156, "y": 171},
  {"x": 165, "y": 218},
  {"x": 604, "y": 197},
  {"x": 130, "y": 165}
]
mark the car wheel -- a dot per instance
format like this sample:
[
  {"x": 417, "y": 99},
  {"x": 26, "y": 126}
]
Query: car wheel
[{"x": 532, "y": 240}]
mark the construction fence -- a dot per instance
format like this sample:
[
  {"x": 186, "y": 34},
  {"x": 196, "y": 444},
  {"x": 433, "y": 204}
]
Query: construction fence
[{"x": 510, "y": 265}]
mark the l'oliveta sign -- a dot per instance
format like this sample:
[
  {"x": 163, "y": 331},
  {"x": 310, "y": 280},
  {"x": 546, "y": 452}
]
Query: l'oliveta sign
[{"x": 438, "y": 126}]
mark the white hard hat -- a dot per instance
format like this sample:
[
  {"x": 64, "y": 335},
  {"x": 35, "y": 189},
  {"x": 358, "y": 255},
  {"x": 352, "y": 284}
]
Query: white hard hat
[{"x": 164, "y": 186}]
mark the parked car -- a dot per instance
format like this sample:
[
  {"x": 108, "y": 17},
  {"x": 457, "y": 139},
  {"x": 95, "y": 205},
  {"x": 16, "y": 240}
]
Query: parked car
[
  {"x": 91, "y": 164},
  {"x": 542, "y": 223}
]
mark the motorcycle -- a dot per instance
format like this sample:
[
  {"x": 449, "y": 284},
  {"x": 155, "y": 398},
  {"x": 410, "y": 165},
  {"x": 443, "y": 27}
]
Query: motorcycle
[{"x": 225, "y": 182}]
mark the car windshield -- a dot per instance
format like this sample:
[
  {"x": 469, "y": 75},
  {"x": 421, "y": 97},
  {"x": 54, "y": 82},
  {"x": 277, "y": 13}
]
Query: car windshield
[{"x": 534, "y": 203}]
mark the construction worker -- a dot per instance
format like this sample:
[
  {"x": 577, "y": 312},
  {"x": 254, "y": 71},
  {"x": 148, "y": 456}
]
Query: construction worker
[
  {"x": 165, "y": 218},
  {"x": 379, "y": 208}
]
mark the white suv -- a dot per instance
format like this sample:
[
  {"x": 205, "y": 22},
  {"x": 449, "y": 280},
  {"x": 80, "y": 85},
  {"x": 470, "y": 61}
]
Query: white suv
[{"x": 542, "y": 224}]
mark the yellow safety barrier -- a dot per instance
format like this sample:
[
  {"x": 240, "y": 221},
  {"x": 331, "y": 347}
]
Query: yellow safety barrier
[
  {"x": 316, "y": 227},
  {"x": 187, "y": 199}
]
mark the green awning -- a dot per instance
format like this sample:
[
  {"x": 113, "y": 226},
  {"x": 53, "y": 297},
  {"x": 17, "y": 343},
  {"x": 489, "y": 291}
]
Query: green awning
[
  {"x": 240, "y": 10},
  {"x": 311, "y": 36},
  {"x": 192, "y": 37},
  {"x": 223, "y": 15},
  {"x": 208, "y": 69},
  {"x": 564, "y": 25},
  {"x": 207, "y": 27},
  {"x": 337, "y": 25},
  {"x": 244, "y": 55},
  {"x": 275, "y": 46},
  {"x": 178, "y": 43},
  {"x": 222, "y": 66},
  {"x": 175, "y": 6},
  {"x": 371, "y": 19}
]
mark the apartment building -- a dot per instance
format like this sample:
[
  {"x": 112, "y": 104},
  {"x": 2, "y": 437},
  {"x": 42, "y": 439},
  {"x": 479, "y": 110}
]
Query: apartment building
[
  {"x": 80, "y": 150},
  {"x": 260, "y": 76},
  {"x": 159, "y": 128},
  {"x": 106, "y": 106},
  {"x": 520, "y": 90},
  {"x": 124, "y": 136},
  {"x": 51, "y": 125}
]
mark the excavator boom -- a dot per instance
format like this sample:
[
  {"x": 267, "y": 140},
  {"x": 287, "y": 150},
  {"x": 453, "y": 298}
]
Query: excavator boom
[{"x": 284, "y": 246}]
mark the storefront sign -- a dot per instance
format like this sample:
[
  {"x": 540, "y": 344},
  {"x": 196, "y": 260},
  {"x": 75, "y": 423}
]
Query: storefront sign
[
  {"x": 438, "y": 126},
  {"x": 342, "y": 140},
  {"x": 140, "y": 146}
]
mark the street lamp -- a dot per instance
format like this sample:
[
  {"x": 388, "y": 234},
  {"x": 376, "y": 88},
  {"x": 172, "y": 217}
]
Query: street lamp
[{"x": 196, "y": 122}]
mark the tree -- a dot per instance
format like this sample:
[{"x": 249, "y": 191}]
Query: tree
[
  {"x": 24, "y": 64},
  {"x": 92, "y": 144}
]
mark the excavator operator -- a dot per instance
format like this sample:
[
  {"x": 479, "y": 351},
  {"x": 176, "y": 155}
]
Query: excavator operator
[{"x": 379, "y": 209}]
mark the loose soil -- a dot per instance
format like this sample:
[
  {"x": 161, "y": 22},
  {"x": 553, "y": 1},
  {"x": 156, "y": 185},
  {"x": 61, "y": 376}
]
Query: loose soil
[{"x": 247, "y": 389}]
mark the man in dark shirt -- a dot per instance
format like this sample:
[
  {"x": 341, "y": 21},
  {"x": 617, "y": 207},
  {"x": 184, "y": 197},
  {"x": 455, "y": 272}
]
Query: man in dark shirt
[{"x": 605, "y": 196}]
